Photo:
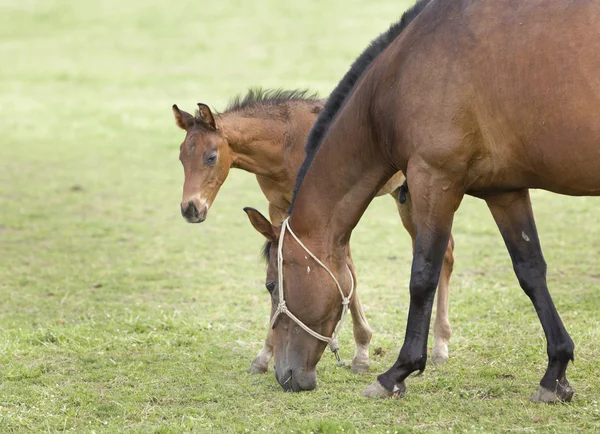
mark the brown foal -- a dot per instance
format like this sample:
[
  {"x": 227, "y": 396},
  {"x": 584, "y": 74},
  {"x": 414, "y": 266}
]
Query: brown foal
[{"x": 264, "y": 134}]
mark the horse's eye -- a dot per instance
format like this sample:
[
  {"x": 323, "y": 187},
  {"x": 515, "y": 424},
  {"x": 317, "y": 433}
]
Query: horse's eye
[
  {"x": 211, "y": 158},
  {"x": 271, "y": 285}
]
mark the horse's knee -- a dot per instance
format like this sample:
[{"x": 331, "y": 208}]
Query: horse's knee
[
  {"x": 423, "y": 282},
  {"x": 531, "y": 274}
]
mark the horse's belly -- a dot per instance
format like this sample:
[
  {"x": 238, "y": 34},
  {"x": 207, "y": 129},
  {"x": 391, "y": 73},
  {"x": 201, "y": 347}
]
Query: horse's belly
[{"x": 571, "y": 167}]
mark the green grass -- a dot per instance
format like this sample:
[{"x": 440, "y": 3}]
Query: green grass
[{"x": 116, "y": 315}]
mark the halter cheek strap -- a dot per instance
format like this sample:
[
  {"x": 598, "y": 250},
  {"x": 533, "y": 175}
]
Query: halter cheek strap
[{"x": 282, "y": 307}]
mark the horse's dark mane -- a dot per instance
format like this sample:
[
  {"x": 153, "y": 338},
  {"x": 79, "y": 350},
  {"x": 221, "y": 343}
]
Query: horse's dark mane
[
  {"x": 266, "y": 251},
  {"x": 346, "y": 85},
  {"x": 258, "y": 96}
]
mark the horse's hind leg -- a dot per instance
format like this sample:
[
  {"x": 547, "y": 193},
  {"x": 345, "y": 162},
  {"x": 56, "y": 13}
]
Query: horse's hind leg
[
  {"x": 362, "y": 332},
  {"x": 441, "y": 326},
  {"x": 514, "y": 217},
  {"x": 435, "y": 198}
]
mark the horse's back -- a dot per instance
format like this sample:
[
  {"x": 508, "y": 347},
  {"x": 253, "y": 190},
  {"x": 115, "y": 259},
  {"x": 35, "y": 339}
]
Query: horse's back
[{"x": 511, "y": 88}]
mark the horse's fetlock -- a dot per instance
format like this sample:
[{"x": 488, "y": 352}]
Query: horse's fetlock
[
  {"x": 564, "y": 351},
  {"x": 415, "y": 363}
]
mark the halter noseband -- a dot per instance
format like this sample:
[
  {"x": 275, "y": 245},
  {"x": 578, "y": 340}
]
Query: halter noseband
[{"x": 282, "y": 308}]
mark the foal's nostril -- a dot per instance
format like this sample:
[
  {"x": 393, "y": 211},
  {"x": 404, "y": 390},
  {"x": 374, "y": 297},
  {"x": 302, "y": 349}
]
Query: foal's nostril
[{"x": 190, "y": 212}]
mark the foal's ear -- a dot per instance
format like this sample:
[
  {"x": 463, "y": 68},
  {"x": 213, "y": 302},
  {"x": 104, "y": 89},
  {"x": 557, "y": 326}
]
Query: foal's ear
[
  {"x": 261, "y": 224},
  {"x": 206, "y": 115},
  {"x": 183, "y": 119}
]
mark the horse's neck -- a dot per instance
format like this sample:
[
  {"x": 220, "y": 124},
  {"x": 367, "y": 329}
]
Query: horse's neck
[
  {"x": 345, "y": 175},
  {"x": 256, "y": 143}
]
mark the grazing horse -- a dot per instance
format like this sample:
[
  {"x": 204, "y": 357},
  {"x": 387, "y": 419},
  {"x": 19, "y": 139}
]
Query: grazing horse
[
  {"x": 264, "y": 133},
  {"x": 488, "y": 98}
]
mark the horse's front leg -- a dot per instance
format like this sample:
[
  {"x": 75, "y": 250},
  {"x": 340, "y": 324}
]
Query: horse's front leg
[
  {"x": 435, "y": 198},
  {"x": 442, "y": 332},
  {"x": 514, "y": 216}
]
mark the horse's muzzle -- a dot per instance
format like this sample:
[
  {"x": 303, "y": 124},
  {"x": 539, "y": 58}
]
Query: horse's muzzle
[
  {"x": 191, "y": 213},
  {"x": 297, "y": 380}
]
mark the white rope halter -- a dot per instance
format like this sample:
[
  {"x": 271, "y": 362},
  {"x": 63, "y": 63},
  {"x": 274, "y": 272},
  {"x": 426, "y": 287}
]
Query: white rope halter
[{"x": 282, "y": 308}]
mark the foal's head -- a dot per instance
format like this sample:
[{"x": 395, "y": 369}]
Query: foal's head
[
  {"x": 310, "y": 295},
  {"x": 206, "y": 160}
]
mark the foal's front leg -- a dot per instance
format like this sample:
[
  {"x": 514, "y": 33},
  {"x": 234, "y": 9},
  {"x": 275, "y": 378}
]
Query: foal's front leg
[
  {"x": 435, "y": 198},
  {"x": 260, "y": 364},
  {"x": 514, "y": 217},
  {"x": 360, "y": 328},
  {"x": 362, "y": 336}
]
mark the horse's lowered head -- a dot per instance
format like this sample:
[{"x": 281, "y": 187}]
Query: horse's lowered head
[
  {"x": 206, "y": 159},
  {"x": 311, "y": 296}
]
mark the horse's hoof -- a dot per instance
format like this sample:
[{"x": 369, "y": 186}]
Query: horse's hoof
[
  {"x": 563, "y": 393},
  {"x": 376, "y": 390},
  {"x": 359, "y": 368},
  {"x": 255, "y": 368}
]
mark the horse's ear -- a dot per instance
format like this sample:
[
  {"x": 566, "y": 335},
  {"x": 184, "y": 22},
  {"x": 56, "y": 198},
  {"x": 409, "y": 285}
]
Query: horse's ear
[
  {"x": 206, "y": 115},
  {"x": 183, "y": 119},
  {"x": 261, "y": 224}
]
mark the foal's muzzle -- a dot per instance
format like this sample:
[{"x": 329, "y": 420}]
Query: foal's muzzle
[{"x": 191, "y": 213}]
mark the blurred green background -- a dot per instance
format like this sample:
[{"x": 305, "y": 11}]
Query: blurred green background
[{"x": 116, "y": 315}]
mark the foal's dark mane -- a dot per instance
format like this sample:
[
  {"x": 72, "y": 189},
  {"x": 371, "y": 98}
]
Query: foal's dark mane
[
  {"x": 256, "y": 97},
  {"x": 346, "y": 85},
  {"x": 269, "y": 97}
]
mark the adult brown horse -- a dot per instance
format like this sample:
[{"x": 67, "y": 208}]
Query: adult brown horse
[
  {"x": 264, "y": 134},
  {"x": 487, "y": 98}
]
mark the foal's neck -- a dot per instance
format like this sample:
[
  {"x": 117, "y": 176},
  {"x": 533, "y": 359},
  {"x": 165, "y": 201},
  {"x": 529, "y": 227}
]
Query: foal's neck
[{"x": 258, "y": 136}]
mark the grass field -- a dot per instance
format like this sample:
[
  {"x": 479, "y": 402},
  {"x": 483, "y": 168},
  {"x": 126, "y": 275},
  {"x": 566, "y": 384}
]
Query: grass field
[{"x": 116, "y": 315}]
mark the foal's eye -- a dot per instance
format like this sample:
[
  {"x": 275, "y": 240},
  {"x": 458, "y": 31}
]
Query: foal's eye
[
  {"x": 211, "y": 158},
  {"x": 270, "y": 285}
]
